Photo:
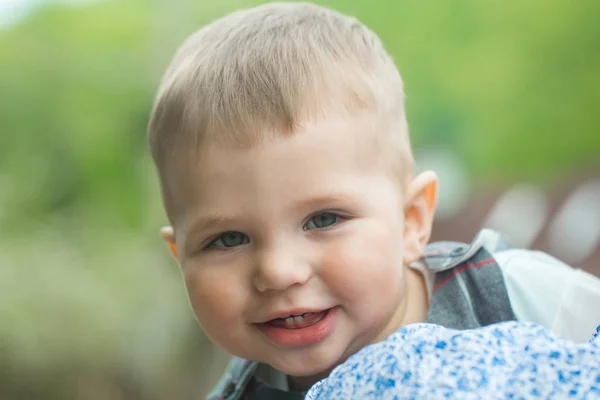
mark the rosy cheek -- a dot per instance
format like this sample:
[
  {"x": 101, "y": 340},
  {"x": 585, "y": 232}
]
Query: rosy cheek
[
  {"x": 361, "y": 264},
  {"x": 212, "y": 296}
]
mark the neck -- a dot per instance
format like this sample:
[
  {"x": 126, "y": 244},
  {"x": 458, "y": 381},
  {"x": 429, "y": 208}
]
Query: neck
[
  {"x": 418, "y": 298},
  {"x": 413, "y": 307}
]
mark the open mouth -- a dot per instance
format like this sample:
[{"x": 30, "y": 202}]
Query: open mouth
[
  {"x": 300, "y": 329},
  {"x": 299, "y": 321}
]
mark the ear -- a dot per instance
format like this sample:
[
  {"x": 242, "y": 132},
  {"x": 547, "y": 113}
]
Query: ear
[
  {"x": 169, "y": 237},
  {"x": 419, "y": 210}
]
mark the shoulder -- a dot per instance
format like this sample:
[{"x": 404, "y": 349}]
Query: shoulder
[
  {"x": 535, "y": 276},
  {"x": 547, "y": 291},
  {"x": 445, "y": 255},
  {"x": 445, "y": 261}
]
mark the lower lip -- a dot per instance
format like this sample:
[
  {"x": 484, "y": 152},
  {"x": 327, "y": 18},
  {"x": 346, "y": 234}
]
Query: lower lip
[{"x": 304, "y": 336}]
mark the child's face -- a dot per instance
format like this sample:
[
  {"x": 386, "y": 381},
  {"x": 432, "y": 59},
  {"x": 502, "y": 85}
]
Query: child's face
[{"x": 313, "y": 224}]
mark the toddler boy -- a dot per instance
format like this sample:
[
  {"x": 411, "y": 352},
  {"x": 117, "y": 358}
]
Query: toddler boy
[{"x": 281, "y": 143}]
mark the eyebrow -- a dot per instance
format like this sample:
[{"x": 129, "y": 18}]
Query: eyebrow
[
  {"x": 206, "y": 222},
  {"x": 325, "y": 200}
]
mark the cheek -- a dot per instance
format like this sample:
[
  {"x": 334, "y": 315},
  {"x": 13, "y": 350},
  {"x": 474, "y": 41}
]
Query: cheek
[
  {"x": 365, "y": 265},
  {"x": 215, "y": 296},
  {"x": 219, "y": 297}
]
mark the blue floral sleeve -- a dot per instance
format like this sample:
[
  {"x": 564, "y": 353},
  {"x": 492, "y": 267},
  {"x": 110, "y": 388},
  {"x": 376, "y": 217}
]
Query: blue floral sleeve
[{"x": 512, "y": 360}]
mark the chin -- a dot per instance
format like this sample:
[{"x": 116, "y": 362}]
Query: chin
[{"x": 306, "y": 367}]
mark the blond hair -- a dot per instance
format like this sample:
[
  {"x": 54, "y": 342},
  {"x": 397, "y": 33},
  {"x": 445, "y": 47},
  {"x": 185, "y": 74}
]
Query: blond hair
[{"x": 266, "y": 70}]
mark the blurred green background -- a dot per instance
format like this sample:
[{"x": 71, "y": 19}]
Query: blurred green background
[{"x": 91, "y": 305}]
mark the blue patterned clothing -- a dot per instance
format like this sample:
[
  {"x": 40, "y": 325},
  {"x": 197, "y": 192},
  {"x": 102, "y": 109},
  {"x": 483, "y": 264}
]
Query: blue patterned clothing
[{"x": 510, "y": 360}]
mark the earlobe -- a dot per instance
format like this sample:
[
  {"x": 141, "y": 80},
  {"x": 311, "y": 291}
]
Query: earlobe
[
  {"x": 419, "y": 210},
  {"x": 169, "y": 237}
]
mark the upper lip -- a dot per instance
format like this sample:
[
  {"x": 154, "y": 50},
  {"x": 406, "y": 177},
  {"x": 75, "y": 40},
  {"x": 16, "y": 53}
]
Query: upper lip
[{"x": 288, "y": 313}]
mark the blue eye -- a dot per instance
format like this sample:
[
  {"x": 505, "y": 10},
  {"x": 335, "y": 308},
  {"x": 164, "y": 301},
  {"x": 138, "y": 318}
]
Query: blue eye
[
  {"x": 229, "y": 239},
  {"x": 320, "y": 221}
]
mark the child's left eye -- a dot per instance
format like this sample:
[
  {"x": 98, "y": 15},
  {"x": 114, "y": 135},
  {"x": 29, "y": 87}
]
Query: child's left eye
[
  {"x": 229, "y": 239},
  {"x": 323, "y": 220}
]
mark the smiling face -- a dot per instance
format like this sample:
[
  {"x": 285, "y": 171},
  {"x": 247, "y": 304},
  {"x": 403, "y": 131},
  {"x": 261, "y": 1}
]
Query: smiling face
[{"x": 293, "y": 250}]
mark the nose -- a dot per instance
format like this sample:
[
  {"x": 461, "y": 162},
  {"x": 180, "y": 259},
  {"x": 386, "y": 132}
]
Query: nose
[{"x": 280, "y": 267}]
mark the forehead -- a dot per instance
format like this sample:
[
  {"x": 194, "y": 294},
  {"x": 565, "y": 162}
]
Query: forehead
[{"x": 329, "y": 155}]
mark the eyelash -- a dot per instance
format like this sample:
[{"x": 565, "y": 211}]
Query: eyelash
[
  {"x": 211, "y": 246},
  {"x": 338, "y": 218}
]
